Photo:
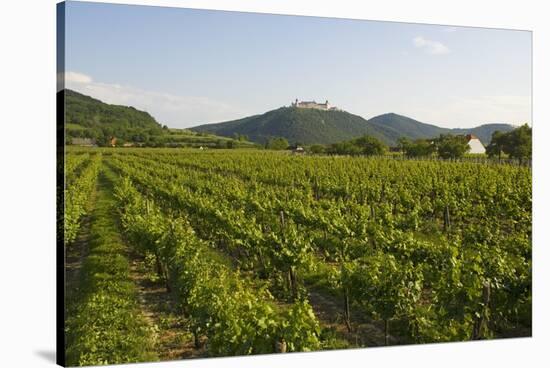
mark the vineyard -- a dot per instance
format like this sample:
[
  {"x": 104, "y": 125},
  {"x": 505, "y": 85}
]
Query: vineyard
[{"x": 230, "y": 252}]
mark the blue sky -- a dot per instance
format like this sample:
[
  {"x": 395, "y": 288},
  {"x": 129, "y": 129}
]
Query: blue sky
[{"x": 188, "y": 67}]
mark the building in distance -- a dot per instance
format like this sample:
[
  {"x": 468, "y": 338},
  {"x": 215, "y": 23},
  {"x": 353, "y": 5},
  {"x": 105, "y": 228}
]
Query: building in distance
[
  {"x": 475, "y": 144},
  {"x": 313, "y": 105}
]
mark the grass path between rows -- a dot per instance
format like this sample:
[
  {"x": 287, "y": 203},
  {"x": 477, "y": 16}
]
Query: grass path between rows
[
  {"x": 77, "y": 252},
  {"x": 173, "y": 338},
  {"x": 105, "y": 324},
  {"x": 171, "y": 332}
]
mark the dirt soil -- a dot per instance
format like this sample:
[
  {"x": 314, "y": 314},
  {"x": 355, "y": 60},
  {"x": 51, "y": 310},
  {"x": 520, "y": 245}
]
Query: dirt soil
[
  {"x": 365, "y": 332},
  {"x": 173, "y": 337}
]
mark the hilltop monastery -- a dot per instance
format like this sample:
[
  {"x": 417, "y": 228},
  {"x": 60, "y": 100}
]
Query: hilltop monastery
[{"x": 313, "y": 105}]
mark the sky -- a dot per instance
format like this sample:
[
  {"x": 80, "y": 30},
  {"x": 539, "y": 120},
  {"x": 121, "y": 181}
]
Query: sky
[{"x": 189, "y": 67}]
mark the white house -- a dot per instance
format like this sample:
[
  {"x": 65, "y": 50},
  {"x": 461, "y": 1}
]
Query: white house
[{"x": 475, "y": 144}]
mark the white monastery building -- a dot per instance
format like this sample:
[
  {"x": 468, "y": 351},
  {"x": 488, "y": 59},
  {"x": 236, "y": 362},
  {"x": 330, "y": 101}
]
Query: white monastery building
[
  {"x": 475, "y": 144},
  {"x": 313, "y": 105}
]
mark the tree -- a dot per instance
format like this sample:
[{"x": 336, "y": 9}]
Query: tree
[
  {"x": 370, "y": 145},
  {"x": 420, "y": 148},
  {"x": 365, "y": 145},
  {"x": 278, "y": 143},
  {"x": 102, "y": 140},
  {"x": 317, "y": 149},
  {"x": 519, "y": 143},
  {"x": 497, "y": 145},
  {"x": 344, "y": 148},
  {"x": 516, "y": 144},
  {"x": 452, "y": 146},
  {"x": 403, "y": 143},
  {"x": 240, "y": 137}
]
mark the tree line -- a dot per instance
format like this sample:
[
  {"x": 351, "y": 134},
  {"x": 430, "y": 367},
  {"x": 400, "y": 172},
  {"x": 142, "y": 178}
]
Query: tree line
[{"x": 515, "y": 144}]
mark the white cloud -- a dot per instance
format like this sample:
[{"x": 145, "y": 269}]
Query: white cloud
[
  {"x": 74, "y": 77},
  {"x": 173, "y": 110},
  {"x": 431, "y": 47}
]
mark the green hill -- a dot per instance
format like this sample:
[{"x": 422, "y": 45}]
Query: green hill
[
  {"x": 395, "y": 126},
  {"x": 86, "y": 117},
  {"x": 309, "y": 126},
  {"x": 484, "y": 132},
  {"x": 97, "y": 122},
  {"x": 305, "y": 126},
  {"x": 88, "y": 112}
]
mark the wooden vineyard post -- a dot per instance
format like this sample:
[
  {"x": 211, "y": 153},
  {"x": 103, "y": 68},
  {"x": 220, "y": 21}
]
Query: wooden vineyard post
[
  {"x": 291, "y": 273},
  {"x": 347, "y": 314},
  {"x": 196, "y": 338},
  {"x": 280, "y": 346},
  {"x": 316, "y": 189},
  {"x": 447, "y": 219},
  {"x": 480, "y": 321},
  {"x": 293, "y": 283}
]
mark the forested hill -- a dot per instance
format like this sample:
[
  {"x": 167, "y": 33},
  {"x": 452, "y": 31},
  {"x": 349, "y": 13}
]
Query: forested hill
[
  {"x": 309, "y": 126},
  {"x": 98, "y": 122},
  {"x": 484, "y": 132},
  {"x": 395, "y": 126},
  {"x": 295, "y": 124},
  {"x": 91, "y": 118}
]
